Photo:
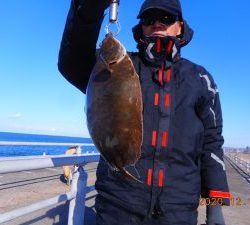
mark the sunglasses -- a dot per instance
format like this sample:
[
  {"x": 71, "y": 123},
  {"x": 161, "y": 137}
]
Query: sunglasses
[{"x": 166, "y": 19}]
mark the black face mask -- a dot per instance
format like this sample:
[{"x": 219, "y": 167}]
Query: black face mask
[{"x": 157, "y": 50}]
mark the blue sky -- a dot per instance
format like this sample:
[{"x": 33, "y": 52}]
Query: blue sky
[{"x": 35, "y": 98}]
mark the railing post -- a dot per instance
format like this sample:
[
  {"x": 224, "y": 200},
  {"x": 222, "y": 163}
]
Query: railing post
[{"x": 77, "y": 205}]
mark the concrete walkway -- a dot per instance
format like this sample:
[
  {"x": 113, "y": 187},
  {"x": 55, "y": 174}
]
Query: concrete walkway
[
  {"x": 24, "y": 188},
  {"x": 239, "y": 211}
]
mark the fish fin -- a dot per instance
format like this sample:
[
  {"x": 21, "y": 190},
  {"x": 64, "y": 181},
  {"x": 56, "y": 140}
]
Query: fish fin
[
  {"x": 137, "y": 173},
  {"x": 134, "y": 167},
  {"x": 128, "y": 175}
]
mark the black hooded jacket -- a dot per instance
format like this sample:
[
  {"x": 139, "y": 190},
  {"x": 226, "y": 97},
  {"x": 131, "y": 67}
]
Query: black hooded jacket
[{"x": 182, "y": 156}]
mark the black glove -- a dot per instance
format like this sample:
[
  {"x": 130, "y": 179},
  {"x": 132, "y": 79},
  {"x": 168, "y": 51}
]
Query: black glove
[
  {"x": 215, "y": 215},
  {"x": 91, "y": 10}
]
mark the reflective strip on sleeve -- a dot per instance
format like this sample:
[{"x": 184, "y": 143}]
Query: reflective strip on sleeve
[
  {"x": 212, "y": 111},
  {"x": 219, "y": 194},
  {"x": 218, "y": 160},
  {"x": 209, "y": 84}
]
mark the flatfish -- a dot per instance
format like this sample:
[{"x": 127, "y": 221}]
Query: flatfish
[{"x": 114, "y": 106}]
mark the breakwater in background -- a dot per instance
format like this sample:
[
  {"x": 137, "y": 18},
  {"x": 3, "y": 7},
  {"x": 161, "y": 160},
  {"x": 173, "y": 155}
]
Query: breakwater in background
[{"x": 9, "y": 150}]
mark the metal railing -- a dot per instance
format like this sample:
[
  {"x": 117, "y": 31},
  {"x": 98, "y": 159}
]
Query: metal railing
[
  {"x": 79, "y": 188},
  {"x": 243, "y": 164}
]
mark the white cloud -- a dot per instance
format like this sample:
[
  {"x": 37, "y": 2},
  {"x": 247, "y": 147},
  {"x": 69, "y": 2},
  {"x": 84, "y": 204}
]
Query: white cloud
[
  {"x": 53, "y": 129},
  {"x": 15, "y": 116},
  {"x": 23, "y": 126}
]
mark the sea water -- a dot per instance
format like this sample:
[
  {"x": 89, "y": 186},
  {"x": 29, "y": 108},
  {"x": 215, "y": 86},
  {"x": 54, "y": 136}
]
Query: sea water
[{"x": 11, "y": 150}]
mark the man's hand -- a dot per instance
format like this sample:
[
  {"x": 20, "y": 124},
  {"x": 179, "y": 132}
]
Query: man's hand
[
  {"x": 103, "y": 4},
  {"x": 91, "y": 10},
  {"x": 215, "y": 215}
]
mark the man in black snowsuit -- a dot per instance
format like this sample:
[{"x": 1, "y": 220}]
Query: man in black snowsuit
[{"x": 182, "y": 156}]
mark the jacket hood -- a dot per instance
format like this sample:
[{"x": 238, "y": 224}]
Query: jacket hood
[{"x": 187, "y": 34}]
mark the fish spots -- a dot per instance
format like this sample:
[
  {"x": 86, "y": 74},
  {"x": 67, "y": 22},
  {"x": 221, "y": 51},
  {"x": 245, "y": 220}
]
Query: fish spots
[
  {"x": 111, "y": 142},
  {"x": 102, "y": 76}
]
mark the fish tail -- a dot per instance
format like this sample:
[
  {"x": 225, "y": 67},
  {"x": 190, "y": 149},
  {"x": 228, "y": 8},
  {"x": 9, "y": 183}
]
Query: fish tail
[
  {"x": 128, "y": 175},
  {"x": 137, "y": 172}
]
